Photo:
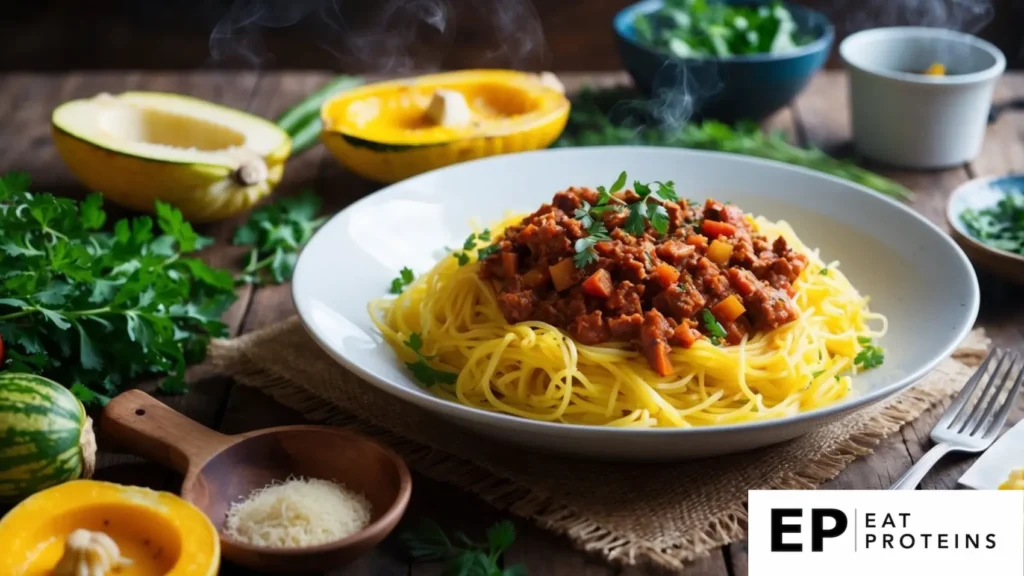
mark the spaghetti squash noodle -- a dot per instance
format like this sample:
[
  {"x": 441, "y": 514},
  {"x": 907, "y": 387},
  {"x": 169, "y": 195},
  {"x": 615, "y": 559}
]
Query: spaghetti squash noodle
[{"x": 790, "y": 339}]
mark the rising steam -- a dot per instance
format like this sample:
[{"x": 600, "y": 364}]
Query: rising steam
[
  {"x": 384, "y": 36},
  {"x": 963, "y": 15}
]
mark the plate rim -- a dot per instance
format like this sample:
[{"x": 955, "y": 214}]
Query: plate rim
[{"x": 463, "y": 413}]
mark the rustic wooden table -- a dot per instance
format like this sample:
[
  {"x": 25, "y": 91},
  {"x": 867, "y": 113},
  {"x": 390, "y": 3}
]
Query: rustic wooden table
[{"x": 818, "y": 117}]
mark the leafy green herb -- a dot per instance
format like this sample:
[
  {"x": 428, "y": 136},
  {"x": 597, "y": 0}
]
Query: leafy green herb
[
  {"x": 606, "y": 195},
  {"x": 421, "y": 368},
  {"x": 1000, "y": 226},
  {"x": 824, "y": 271},
  {"x": 591, "y": 218},
  {"x": 591, "y": 124},
  {"x": 405, "y": 277},
  {"x": 870, "y": 356},
  {"x": 471, "y": 243},
  {"x": 277, "y": 231},
  {"x": 646, "y": 209},
  {"x": 487, "y": 251},
  {"x": 97, "y": 310},
  {"x": 688, "y": 28},
  {"x": 585, "y": 253},
  {"x": 462, "y": 556},
  {"x": 715, "y": 330}
]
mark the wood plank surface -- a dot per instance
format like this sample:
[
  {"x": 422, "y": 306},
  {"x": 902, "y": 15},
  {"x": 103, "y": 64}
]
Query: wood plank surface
[{"x": 818, "y": 117}]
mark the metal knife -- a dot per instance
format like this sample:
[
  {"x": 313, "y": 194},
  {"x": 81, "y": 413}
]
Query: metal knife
[{"x": 995, "y": 465}]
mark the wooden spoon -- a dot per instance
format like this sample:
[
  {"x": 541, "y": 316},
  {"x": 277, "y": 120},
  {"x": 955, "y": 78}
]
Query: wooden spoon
[{"x": 221, "y": 469}]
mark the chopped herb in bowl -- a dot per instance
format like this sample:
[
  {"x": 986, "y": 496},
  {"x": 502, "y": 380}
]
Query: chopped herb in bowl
[
  {"x": 1000, "y": 226},
  {"x": 699, "y": 28}
]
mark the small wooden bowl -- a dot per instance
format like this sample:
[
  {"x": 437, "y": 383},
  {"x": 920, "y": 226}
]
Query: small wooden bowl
[
  {"x": 221, "y": 469},
  {"x": 978, "y": 194}
]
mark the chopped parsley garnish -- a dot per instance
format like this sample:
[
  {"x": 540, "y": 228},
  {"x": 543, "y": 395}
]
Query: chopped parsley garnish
[
  {"x": 421, "y": 368},
  {"x": 646, "y": 209},
  {"x": 585, "y": 253},
  {"x": 471, "y": 242},
  {"x": 404, "y": 279},
  {"x": 605, "y": 196},
  {"x": 824, "y": 271},
  {"x": 715, "y": 330},
  {"x": 590, "y": 217},
  {"x": 487, "y": 251},
  {"x": 870, "y": 356}
]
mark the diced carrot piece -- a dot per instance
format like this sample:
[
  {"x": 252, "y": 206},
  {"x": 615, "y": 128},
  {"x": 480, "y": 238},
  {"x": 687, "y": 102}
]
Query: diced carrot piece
[
  {"x": 665, "y": 274},
  {"x": 719, "y": 252},
  {"x": 599, "y": 285},
  {"x": 697, "y": 240},
  {"x": 563, "y": 274},
  {"x": 657, "y": 357},
  {"x": 728, "y": 310},
  {"x": 509, "y": 263},
  {"x": 535, "y": 278},
  {"x": 683, "y": 336},
  {"x": 715, "y": 229}
]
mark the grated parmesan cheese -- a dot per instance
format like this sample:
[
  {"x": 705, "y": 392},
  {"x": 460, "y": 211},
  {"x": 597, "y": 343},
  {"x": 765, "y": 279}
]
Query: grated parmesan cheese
[{"x": 297, "y": 513}]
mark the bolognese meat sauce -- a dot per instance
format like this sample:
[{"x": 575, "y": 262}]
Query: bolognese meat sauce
[{"x": 708, "y": 275}]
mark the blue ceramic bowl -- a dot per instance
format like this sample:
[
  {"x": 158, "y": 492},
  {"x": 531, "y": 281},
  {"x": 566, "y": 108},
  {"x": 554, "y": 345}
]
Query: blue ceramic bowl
[{"x": 749, "y": 87}]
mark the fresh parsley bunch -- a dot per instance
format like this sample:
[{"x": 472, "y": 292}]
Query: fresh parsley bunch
[
  {"x": 95, "y": 310},
  {"x": 462, "y": 556},
  {"x": 277, "y": 232}
]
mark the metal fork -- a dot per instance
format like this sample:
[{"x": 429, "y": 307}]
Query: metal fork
[{"x": 963, "y": 428}]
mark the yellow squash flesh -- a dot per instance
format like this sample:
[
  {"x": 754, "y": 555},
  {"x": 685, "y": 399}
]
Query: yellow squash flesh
[
  {"x": 157, "y": 532},
  {"x": 139, "y": 147},
  {"x": 382, "y": 131}
]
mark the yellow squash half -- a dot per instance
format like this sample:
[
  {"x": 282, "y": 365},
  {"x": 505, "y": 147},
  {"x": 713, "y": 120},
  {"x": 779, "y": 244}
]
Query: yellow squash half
[
  {"x": 384, "y": 131},
  {"x": 209, "y": 161},
  {"x": 155, "y": 533}
]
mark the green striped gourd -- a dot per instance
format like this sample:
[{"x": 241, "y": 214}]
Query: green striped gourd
[{"x": 45, "y": 436}]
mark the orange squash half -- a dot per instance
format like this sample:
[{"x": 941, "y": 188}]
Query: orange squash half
[
  {"x": 383, "y": 131},
  {"x": 158, "y": 532}
]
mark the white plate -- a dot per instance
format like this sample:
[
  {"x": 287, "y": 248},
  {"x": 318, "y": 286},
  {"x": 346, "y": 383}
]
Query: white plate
[{"x": 914, "y": 273}]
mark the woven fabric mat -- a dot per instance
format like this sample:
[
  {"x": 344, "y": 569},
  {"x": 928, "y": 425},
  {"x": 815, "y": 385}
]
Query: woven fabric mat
[{"x": 664, "y": 514}]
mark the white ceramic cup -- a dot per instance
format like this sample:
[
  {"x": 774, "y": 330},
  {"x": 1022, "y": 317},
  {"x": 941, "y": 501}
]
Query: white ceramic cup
[{"x": 908, "y": 119}]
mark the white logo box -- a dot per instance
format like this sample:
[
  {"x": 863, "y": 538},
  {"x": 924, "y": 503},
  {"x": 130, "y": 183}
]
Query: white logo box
[{"x": 933, "y": 532}]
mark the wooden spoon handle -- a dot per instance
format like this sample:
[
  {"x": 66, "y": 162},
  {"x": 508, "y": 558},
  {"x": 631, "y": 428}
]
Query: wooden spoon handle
[{"x": 148, "y": 428}]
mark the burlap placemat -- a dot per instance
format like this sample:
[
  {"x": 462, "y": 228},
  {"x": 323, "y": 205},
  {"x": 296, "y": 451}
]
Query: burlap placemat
[{"x": 664, "y": 514}]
